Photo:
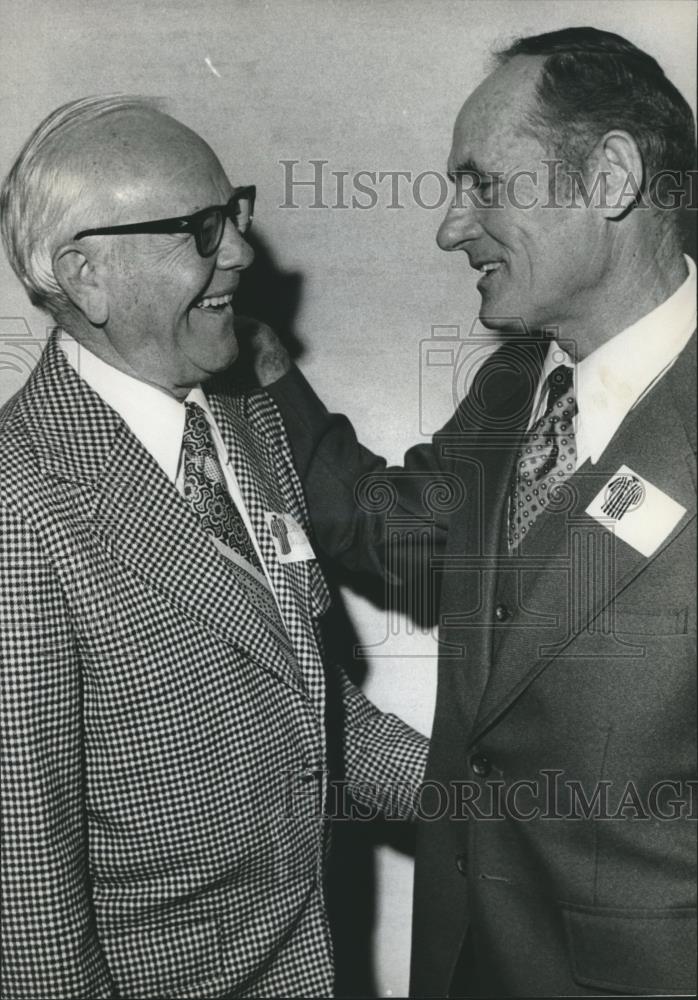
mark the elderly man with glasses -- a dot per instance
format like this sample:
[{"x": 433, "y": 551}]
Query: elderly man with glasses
[{"x": 164, "y": 696}]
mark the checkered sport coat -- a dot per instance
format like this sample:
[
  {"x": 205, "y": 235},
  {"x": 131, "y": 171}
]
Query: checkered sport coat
[{"x": 163, "y": 749}]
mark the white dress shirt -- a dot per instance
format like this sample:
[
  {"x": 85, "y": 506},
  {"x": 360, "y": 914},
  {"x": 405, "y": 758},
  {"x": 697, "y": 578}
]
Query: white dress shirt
[
  {"x": 613, "y": 379},
  {"x": 157, "y": 420}
]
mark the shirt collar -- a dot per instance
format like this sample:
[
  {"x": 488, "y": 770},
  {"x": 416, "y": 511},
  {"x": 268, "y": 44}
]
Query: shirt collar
[
  {"x": 156, "y": 418},
  {"x": 614, "y": 377}
]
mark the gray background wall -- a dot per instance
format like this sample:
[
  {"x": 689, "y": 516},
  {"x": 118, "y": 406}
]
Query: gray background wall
[{"x": 365, "y": 86}]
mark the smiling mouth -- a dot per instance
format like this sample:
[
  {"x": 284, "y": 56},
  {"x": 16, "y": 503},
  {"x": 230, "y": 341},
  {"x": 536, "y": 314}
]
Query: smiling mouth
[
  {"x": 487, "y": 270},
  {"x": 214, "y": 303}
]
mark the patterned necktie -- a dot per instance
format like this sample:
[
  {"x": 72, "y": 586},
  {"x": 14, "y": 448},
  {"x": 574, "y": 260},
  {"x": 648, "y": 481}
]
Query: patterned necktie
[
  {"x": 547, "y": 456},
  {"x": 205, "y": 487}
]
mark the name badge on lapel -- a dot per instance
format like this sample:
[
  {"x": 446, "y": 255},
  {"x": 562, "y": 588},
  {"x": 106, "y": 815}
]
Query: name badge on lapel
[
  {"x": 635, "y": 510},
  {"x": 290, "y": 540}
]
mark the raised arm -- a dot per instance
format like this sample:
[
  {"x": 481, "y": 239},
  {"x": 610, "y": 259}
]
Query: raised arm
[{"x": 351, "y": 492}]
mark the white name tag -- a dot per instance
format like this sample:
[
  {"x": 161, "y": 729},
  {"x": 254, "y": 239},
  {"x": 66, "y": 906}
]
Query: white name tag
[
  {"x": 289, "y": 538},
  {"x": 635, "y": 510}
]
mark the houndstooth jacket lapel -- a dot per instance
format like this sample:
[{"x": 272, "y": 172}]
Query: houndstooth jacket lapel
[
  {"x": 114, "y": 486},
  {"x": 254, "y": 435}
]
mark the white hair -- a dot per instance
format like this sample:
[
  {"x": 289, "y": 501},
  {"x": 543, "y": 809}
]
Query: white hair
[{"x": 44, "y": 190}]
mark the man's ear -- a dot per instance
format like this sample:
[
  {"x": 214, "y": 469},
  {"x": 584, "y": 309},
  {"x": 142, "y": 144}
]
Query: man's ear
[
  {"x": 618, "y": 156},
  {"x": 76, "y": 272}
]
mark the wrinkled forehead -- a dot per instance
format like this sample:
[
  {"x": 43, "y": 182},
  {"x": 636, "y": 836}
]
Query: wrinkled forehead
[
  {"x": 492, "y": 125},
  {"x": 142, "y": 161}
]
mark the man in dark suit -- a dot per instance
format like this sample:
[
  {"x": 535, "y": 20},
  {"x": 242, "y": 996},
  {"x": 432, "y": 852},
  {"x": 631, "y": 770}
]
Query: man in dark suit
[
  {"x": 164, "y": 771},
  {"x": 556, "y": 855}
]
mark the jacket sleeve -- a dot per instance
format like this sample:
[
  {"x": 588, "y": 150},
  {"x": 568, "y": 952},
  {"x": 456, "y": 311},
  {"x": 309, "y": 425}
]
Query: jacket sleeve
[
  {"x": 383, "y": 759},
  {"x": 49, "y": 940},
  {"x": 360, "y": 507}
]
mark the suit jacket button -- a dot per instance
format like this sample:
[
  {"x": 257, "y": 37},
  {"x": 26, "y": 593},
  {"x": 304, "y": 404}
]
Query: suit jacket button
[
  {"x": 462, "y": 864},
  {"x": 501, "y": 612},
  {"x": 480, "y": 765}
]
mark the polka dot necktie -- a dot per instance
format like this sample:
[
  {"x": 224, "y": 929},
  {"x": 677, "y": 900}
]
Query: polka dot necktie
[
  {"x": 205, "y": 487},
  {"x": 546, "y": 458}
]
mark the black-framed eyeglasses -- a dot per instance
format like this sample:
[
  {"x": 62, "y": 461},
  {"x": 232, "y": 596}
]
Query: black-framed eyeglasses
[{"x": 206, "y": 225}]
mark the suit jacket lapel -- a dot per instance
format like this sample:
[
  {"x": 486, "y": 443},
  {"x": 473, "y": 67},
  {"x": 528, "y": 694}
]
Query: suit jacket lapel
[
  {"x": 254, "y": 436},
  {"x": 487, "y": 450},
  {"x": 666, "y": 459},
  {"x": 141, "y": 519},
  {"x": 257, "y": 446}
]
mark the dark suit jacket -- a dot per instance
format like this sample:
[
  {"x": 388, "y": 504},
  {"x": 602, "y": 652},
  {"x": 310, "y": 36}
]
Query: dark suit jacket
[
  {"x": 164, "y": 748},
  {"x": 571, "y": 662}
]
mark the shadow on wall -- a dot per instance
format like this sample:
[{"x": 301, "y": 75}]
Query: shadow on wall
[
  {"x": 271, "y": 295},
  {"x": 351, "y": 882}
]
